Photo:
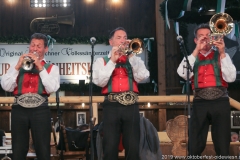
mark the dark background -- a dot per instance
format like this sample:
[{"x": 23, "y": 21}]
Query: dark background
[{"x": 91, "y": 19}]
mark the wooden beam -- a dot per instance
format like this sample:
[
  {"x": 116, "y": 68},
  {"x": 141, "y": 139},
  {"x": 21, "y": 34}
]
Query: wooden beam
[
  {"x": 162, "y": 116},
  {"x": 99, "y": 99},
  {"x": 160, "y": 39}
]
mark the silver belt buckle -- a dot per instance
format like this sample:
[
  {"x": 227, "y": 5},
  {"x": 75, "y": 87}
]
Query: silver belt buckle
[
  {"x": 126, "y": 98},
  {"x": 30, "y": 100},
  {"x": 210, "y": 93}
]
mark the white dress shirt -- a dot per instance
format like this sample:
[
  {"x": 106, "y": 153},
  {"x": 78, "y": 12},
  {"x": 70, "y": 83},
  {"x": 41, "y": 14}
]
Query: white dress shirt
[
  {"x": 102, "y": 73},
  {"x": 51, "y": 80},
  {"x": 227, "y": 67}
]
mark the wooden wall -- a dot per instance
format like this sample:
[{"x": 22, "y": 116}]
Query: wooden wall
[{"x": 68, "y": 114}]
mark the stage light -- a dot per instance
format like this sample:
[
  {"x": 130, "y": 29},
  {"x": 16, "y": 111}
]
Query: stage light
[
  {"x": 211, "y": 10},
  {"x": 83, "y": 105},
  {"x": 115, "y": 1},
  {"x": 148, "y": 105},
  {"x": 50, "y": 3},
  {"x": 10, "y": 1}
]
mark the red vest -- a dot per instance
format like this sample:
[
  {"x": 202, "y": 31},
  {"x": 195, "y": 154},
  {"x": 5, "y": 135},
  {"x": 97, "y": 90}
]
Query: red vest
[
  {"x": 207, "y": 71},
  {"x": 122, "y": 79},
  {"x": 30, "y": 81}
]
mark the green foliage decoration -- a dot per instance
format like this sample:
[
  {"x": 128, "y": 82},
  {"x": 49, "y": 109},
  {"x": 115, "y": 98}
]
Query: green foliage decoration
[
  {"x": 62, "y": 40},
  {"x": 14, "y": 39}
]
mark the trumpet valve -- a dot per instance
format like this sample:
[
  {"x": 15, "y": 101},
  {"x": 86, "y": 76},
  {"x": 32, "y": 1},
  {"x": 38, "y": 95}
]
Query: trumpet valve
[{"x": 215, "y": 37}]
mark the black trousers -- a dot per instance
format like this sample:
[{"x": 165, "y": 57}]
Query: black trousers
[
  {"x": 204, "y": 113},
  {"x": 117, "y": 119},
  {"x": 39, "y": 120}
]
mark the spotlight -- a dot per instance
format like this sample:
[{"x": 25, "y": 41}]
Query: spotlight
[
  {"x": 115, "y": 1},
  {"x": 50, "y": 3},
  {"x": 148, "y": 104},
  {"x": 83, "y": 105},
  {"x": 211, "y": 10}
]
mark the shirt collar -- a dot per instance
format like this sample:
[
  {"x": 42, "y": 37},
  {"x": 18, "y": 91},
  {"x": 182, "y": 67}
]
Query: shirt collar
[
  {"x": 212, "y": 49},
  {"x": 208, "y": 52},
  {"x": 44, "y": 60}
]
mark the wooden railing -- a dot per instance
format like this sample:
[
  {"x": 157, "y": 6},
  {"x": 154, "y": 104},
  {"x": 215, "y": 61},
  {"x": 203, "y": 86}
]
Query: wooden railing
[{"x": 99, "y": 99}]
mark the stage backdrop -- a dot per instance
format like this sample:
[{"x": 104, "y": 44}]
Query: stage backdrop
[{"x": 73, "y": 60}]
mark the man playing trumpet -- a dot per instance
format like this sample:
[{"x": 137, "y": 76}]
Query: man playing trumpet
[
  {"x": 31, "y": 89},
  {"x": 118, "y": 75},
  {"x": 212, "y": 71}
]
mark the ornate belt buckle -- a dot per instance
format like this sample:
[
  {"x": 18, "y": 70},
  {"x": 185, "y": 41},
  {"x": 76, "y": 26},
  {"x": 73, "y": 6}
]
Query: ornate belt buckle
[
  {"x": 126, "y": 98},
  {"x": 30, "y": 100},
  {"x": 210, "y": 93}
]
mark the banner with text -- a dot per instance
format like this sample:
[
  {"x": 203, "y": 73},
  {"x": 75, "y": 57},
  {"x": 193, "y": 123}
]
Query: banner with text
[{"x": 73, "y": 60}]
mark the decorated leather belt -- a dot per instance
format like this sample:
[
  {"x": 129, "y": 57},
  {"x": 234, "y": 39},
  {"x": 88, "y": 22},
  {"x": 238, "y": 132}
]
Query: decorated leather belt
[
  {"x": 210, "y": 93},
  {"x": 125, "y": 98},
  {"x": 30, "y": 100}
]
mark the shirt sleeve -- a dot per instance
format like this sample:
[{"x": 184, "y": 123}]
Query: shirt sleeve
[
  {"x": 140, "y": 72},
  {"x": 8, "y": 81},
  {"x": 182, "y": 70},
  {"x": 228, "y": 69},
  {"x": 51, "y": 80},
  {"x": 101, "y": 72}
]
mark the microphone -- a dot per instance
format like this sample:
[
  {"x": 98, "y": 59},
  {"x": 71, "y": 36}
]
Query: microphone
[
  {"x": 92, "y": 40},
  {"x": 180, "y": 39}
]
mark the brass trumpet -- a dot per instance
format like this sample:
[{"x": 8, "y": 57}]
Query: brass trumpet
[
  {"x": 220, "y": 24},
  {"x": 27, "y": 63},
  {"x": 135, "y": 46}
]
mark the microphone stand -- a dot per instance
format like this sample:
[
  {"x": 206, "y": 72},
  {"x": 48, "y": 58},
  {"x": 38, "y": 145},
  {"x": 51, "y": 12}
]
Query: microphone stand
[
  {"x": 59, "y": 117},
  {"x": 189, "y": 69},
  {"x": 90, "y": 103}
]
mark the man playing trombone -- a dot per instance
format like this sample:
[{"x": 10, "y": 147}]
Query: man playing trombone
[{"x": 212, "y": 71}]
